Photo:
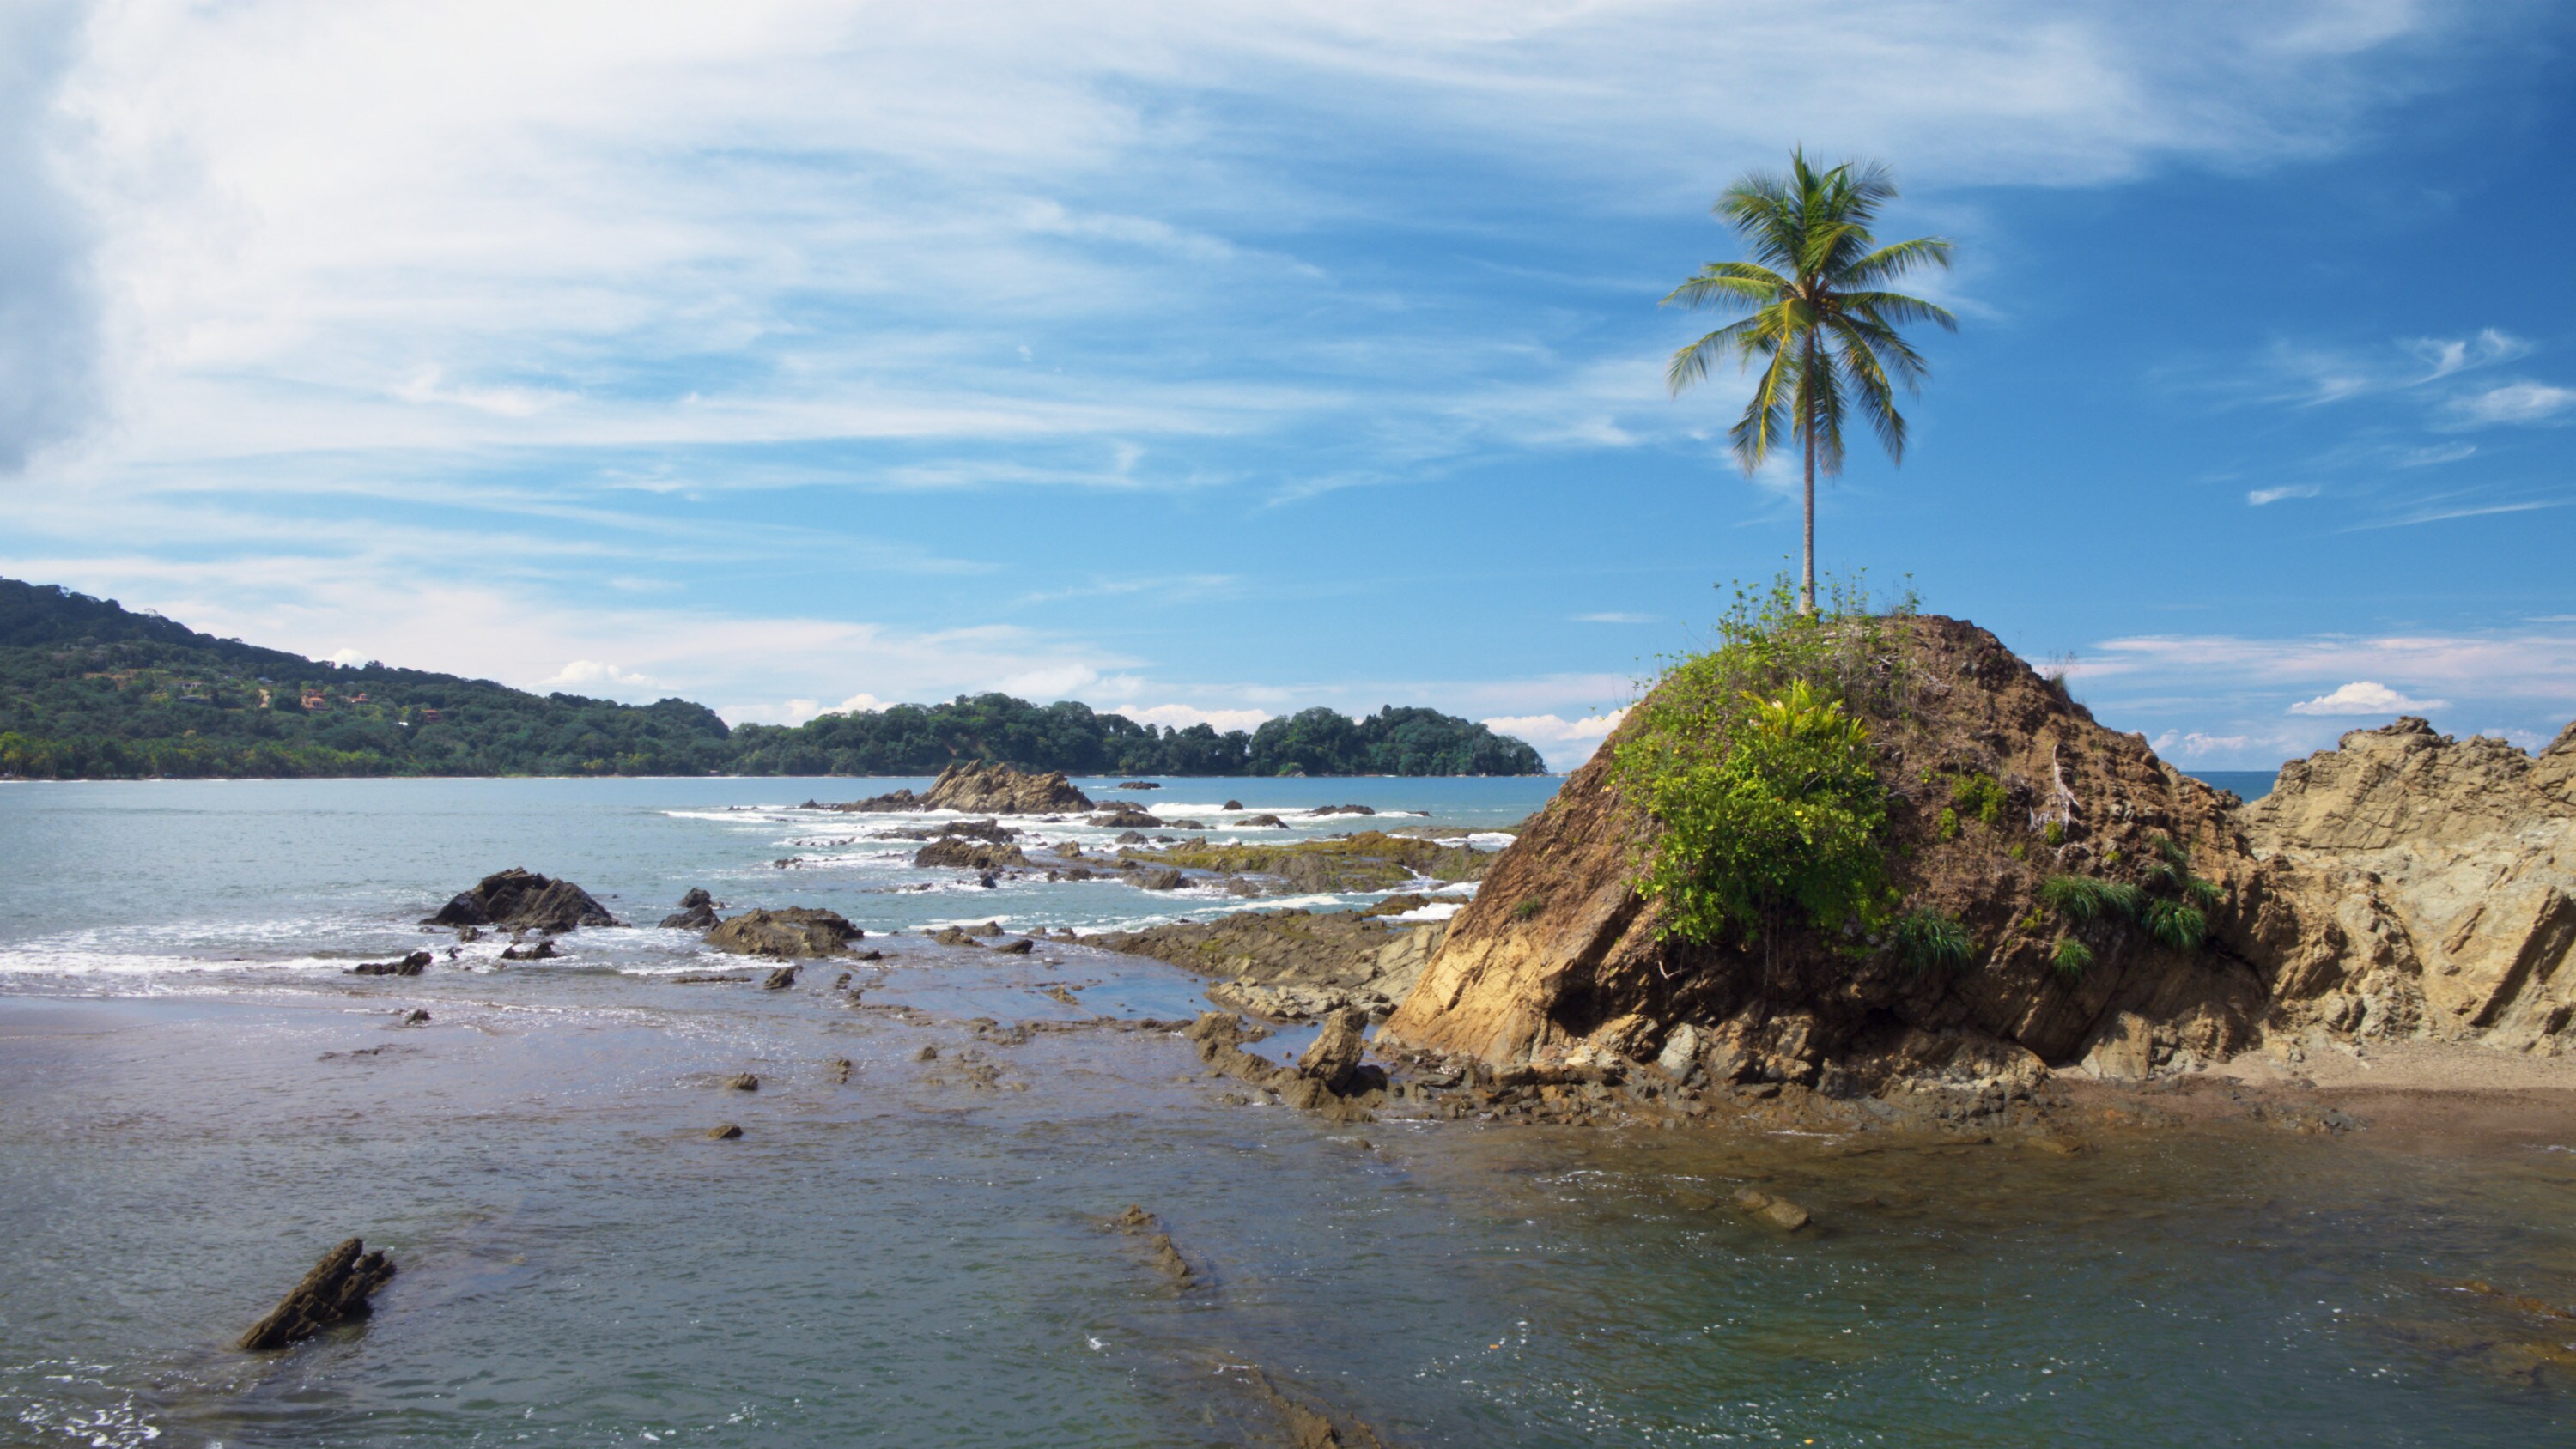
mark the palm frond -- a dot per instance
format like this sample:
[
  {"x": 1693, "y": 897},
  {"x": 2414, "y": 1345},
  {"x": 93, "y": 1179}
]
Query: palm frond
[
  {"x": 1894, "y": 260},
  {"x": 1727, "y": 284},
  {"x": 1890, "y": 308}
]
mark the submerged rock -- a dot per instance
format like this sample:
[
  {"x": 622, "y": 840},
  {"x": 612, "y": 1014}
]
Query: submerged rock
[
  {"x": 521, "y": 899},
  {"x": 795, "y": 931},
  {"x": 336, "y": 1290},
  {"x": 544, "y": 950},
  {"x": 411, "y": 965},
  {"x": 780, "y": 979},
  {"x": 725, "y": 1133},
  {"x": 742, "y": 1082}
]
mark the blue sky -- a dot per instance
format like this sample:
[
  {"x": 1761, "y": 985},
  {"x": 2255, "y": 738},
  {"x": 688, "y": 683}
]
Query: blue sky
[{"x": 1212, "y": 362}]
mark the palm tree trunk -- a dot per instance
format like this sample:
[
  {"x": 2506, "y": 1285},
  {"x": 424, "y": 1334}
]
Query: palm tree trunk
[{"x": 1807, "y": 425}]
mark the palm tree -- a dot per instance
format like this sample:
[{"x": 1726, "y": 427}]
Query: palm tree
[{"x": 1823, "y": 332}]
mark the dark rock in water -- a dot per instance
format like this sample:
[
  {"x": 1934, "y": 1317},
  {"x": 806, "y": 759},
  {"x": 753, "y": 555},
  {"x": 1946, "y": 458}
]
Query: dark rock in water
[
  {"x": 926, "y": 1054},
  {"x": 780, "y": 979},
  {"x": 1343, "y": 810},
  {"x": 1017, "y": 948},
  {"x": 869, "y": 955},
  {"x": 469, "y": 933},
  {"x": 1263, "y": 822},
  {"x": 985, "y": 880},
  {"x": 1185, "y": 825},
  {"x": 700, "y": 978},
  {"x": 1130, "y": 818},
  {"x": 697, "y": 912},
  {"x": 1334, "y": 1058},
  {"x": 962, "y": 853},
  {"x": 843, "y": 983},
  {"x": 523, "y": 899},
  {"x": 416, "y": 1018},
  {"x": 742, "y": 1082},
  {"x": 411, "y": 965},
  {"x": 1165, "y": 1258},
  {"x": 953, "y": 936},
  {"x": 1232, "y": 805},
  {"x": 797, "y": 931},
  {"x": 1138, "y": 785},
  {"x": 725, "y": 1133},
  {"x": 1158, "y": 879},
  {"x": 542, "y": 951},
  {"x": 334, "y": 1291},
  {"x": 840, "y": 1069},
  {"x": 1131, "y": 837}
]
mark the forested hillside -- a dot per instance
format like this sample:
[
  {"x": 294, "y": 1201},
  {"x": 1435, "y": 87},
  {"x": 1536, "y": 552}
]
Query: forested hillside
[{"x": 92, "y": 690}]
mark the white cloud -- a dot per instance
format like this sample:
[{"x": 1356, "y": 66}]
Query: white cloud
[
  {"x": 2514, "y": 402},
  {"x": 1565, "y": 743},
  {"x": 2196, "y": 745},
  {"x": 2447, "y": 355},
  {"x": 2364, "y": 697},
  {"x": 593, "y": 673},
  {"x": 2260, "y": 496},
  {"x": 2430, "y": 457},
  {"x": 349, "y": 658}
]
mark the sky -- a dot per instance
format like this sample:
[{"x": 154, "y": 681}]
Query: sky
[{"x": 1211, "y": 361}]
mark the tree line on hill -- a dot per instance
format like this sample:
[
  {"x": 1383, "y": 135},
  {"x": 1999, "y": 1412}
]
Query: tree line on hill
[{"x": 92, "y": 690}]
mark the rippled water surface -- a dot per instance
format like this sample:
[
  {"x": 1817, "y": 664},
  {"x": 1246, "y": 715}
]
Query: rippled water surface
[{"x": 195, "y": 1102}]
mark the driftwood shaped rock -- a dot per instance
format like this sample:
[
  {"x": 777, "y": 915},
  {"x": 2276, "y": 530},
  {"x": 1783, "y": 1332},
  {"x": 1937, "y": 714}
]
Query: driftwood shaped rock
[{"x": 336, "y": 1290}]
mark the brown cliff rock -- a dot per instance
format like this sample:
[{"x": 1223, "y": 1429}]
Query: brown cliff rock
[
  {"x": 2414, "y": 884},
  {"x": 1559, "y": 956}
]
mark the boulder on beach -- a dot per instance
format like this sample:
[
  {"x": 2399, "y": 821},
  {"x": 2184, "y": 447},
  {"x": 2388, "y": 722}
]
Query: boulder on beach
[
  {"x": 522, "y": 899},
  {"x": 336, "y": 1290},
  {"x": 794, "y": 932}
]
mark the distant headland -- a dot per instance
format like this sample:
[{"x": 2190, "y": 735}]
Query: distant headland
[{"x": 92, "y": 690}]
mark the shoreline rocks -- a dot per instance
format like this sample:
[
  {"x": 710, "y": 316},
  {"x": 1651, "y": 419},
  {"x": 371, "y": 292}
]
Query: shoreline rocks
[
  {"x": 697, "y": 912},
  {"x": 411, "y": 965},
  {"x": 334, "y": 1292}
]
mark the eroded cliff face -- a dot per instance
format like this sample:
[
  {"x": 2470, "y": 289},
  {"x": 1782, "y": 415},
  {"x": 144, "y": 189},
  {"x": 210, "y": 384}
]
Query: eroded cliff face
[
  {"x": 2403, "y": 884},
  {"x": 2414, "y": 884},
  {"x": 1559, "y": 954}
]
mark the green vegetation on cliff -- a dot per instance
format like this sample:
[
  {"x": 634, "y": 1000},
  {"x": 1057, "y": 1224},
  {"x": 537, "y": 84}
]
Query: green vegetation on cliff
[
  {"x": 92, "y": 690},
  {"x": 1752, "y": 760}
]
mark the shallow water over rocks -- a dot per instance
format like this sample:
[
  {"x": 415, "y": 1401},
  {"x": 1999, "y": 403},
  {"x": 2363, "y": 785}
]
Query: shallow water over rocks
[{"x": 911, "y": 1251}]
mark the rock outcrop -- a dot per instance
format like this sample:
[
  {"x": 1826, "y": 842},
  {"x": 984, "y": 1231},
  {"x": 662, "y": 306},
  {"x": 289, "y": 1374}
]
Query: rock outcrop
[
  {"x": 1560, "y": 956},
  {"x": 795, "y": 932},
  {"x": 958, "y": 852},
  {"x": 336, "y": 1290},
  {"x": 411, "y": 965},
  {"x": 979, "y": 788},
  {"x": 1293, "y": 965},
  {"x": 523, "y": 900},
  {"x": 2414, "y": 884},
  {"x": 2404, "y": 884},
  {"x": 697, "y": 912},
  {"x": 1368, "y": 861}
]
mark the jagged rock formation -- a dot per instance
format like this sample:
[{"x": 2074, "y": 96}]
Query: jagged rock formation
[
  {"x": 2407, "y": 883},
  {"x": 979, "y": 788},
  {"x": 336, "y": 1290},
  {"x": 697, "y": 912},
  {"x": 1559, "y": 954},
  {"x": 795, "y": 932},
  {"x": 523, "y": 900},
  {"x": 2414, "y": 884}
]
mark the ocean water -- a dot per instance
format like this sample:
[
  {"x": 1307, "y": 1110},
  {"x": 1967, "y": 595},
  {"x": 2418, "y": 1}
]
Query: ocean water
[{"x": 195, "y": 1102}]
